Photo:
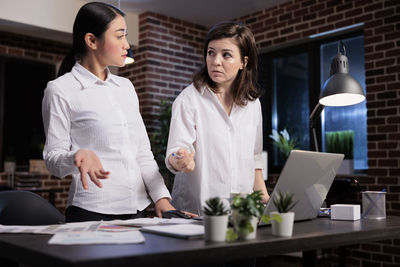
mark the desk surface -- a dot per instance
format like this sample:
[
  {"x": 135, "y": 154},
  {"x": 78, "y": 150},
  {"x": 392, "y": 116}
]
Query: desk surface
[{"x": 165, "y": 251}]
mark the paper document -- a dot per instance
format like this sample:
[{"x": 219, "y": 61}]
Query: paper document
[
  {"x": 96, "y": 238},
  {"x": 51, "y": 229},
  {"x": 188, "y": 231}
]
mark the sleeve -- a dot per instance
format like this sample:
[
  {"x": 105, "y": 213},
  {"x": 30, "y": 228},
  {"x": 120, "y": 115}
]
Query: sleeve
[
  {"x": 182, "y": 130},
  {"x": 258, "y": 147},
  {"x": 148, "y": 166},
  {"x": 56, "y": 121}
]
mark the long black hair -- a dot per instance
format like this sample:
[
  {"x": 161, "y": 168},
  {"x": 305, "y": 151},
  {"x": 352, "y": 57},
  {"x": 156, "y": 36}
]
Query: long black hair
[{"x": 94, "y": 18}]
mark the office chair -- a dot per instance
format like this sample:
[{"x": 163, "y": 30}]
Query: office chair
[{"x": 26, "y": 208}]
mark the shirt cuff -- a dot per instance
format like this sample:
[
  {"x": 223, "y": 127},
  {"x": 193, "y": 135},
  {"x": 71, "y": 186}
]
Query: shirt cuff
[
  {"x": 258, "y": 161},
  {"x": 169, "y": 166},
  {"x": 159, "y": 194}
]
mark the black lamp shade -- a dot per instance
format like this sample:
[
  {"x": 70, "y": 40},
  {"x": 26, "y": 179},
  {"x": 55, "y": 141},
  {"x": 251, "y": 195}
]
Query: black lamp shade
[{"x": 341, "y": 89}]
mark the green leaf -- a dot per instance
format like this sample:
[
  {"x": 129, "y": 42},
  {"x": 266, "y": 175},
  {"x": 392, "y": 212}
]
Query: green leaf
[{"x": 231, "y": 235}]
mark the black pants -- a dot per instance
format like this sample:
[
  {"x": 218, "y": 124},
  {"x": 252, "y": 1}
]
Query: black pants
[{"x": 76, "y": 214}]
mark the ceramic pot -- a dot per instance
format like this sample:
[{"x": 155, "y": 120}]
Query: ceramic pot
[
  {"x": 215, "y": 228},
  {"x": 285, "y": 227},
  {"x": 237, "y": 218}
]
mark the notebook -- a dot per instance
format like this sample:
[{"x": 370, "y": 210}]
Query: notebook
[{"x": 308, "y": 175}]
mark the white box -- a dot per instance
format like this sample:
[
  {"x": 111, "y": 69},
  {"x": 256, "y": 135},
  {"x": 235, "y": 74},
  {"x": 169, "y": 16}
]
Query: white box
[{"x": 345, "y": 212}]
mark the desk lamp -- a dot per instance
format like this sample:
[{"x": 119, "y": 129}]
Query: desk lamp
[{"x": 340, "y": 89}]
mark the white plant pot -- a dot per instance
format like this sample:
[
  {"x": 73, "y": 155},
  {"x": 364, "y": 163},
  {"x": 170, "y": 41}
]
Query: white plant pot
[
  {"x": 347, "y": 167},
  {"x": 237, "y": 218},
  {"x": 215, "y": 227},
  {"x": 252, "y": 235},
  {"x": 285, "y": 227}
]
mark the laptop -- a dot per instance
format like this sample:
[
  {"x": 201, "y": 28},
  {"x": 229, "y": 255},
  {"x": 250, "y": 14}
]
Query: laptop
[{"x": 308, "y": 175}]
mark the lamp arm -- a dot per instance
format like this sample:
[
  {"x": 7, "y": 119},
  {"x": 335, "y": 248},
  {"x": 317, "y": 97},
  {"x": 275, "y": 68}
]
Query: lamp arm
[{"x": 313, "y": 117}]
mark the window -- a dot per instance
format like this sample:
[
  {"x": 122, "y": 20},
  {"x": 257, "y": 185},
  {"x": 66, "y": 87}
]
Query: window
[
  {"x": 292, "y": 78},
  {"x": 21, "y": 92}
]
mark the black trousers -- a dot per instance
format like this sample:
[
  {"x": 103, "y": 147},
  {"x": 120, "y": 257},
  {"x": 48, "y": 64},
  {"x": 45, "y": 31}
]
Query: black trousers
[{"x": 76, "y": 214}]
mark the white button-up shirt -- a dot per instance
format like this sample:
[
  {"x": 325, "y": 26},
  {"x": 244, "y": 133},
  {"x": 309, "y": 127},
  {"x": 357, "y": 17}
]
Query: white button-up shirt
[
  {"x": 228, "y": 148},
  {"x": 80, "y": 111}
]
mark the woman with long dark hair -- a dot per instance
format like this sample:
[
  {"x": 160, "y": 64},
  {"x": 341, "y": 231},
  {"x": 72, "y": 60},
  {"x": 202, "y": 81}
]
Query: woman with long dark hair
[
  {"x": 215, "y": 139},
  {"x": 94, "y": 129}
]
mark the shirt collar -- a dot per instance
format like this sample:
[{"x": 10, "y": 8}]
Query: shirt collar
[
  {"x": 204, "y": 88},
  {"x": 87, "y": 79}
]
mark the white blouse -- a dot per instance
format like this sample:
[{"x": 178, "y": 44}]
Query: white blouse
[
  {"x": 227, "y": 148},
  {"x": 80, "y": 111}
]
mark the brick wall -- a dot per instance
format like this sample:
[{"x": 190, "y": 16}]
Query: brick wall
[
  {"x": 26, "y": 47},
  {"x": 169, "y": 51}
]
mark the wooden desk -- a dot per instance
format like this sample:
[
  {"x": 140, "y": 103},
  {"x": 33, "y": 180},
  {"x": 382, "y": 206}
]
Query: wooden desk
[{"x": 165, "y": 251}]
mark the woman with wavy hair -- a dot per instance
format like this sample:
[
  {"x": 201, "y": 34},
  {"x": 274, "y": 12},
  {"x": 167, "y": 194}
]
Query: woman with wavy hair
[{"x": 215, "y": 139}]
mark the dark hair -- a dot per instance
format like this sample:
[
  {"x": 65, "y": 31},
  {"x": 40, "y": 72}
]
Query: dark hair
[
  {"x": 244, "y": 86},
  {"x": 93, "y": 17}
]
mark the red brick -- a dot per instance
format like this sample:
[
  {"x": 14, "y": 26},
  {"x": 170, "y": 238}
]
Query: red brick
[
  {"x": 384, "y": 46},
  {"x": 394, "y": 52},
  {"x": 363, "y": 18},
  {"x": 373, "y": 7},
  {"x": 353, "y": 12},
  {"x": 386, "y": 79},
  {"x": 377, "y": 171},
  {"x": 384, "y": 13},
  {"x": 393, "y": 86},
  {"x": 302, "y": 26},
  {"x": 385, "y": 62},
  {"x": 345, "y": 23}
]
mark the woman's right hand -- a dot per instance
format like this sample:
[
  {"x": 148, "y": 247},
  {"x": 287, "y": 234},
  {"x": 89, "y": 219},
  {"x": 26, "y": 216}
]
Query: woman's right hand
[
  {"x": 182, "y": 160},
  {"x": 88, "y": 163}
]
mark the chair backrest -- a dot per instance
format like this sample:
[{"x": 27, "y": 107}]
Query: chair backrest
[{"x": 26, "y": 208}]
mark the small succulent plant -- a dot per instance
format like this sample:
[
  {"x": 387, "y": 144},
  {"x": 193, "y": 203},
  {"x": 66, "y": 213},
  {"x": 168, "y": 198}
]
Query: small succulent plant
[
  {"x": 215, "y": 207},
  {"x": 284, "y": 202}
]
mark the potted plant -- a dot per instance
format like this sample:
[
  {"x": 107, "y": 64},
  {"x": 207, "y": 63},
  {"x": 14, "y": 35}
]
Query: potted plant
[
  {"x": 215, "y": 220},
  {"x": 342, "y": 142},
  {"x": 284, "y": 202},
  {"x": 283, "y": 142},
  {"x": 246, "y": 211}
]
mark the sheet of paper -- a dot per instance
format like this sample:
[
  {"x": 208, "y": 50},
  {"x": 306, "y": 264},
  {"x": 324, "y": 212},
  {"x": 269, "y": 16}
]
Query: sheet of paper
[
  {"x": 97, "y": 238},
  {"x": 51, "y": 229}
]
